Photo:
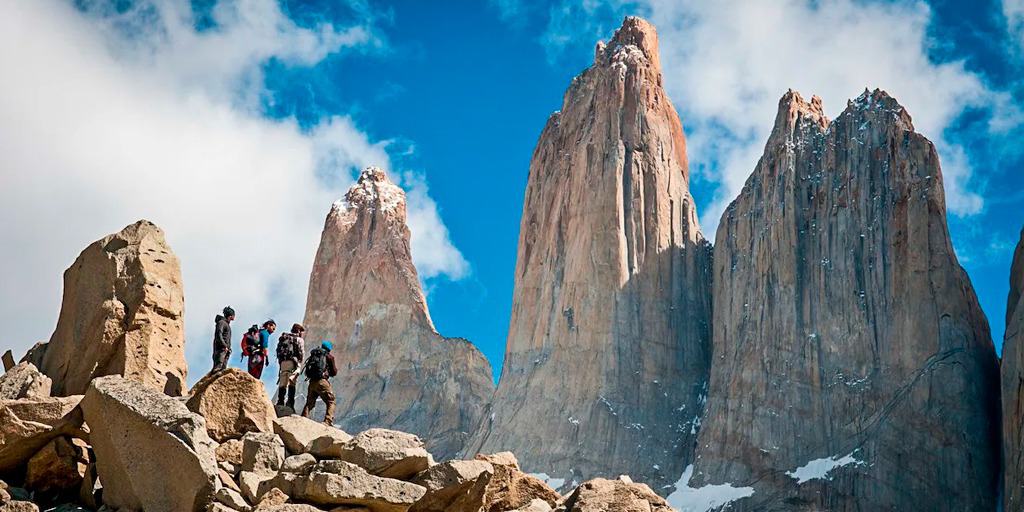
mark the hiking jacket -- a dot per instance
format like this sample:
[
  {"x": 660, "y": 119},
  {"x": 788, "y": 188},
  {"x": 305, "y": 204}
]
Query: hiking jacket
[
  {"x": 264, "y": 341},
  {"x": 221, "y": 334},
  {"x": 332, "y": 368}
]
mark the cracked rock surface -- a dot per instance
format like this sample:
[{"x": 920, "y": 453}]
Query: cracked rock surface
[{"x": 853, "y": 367}]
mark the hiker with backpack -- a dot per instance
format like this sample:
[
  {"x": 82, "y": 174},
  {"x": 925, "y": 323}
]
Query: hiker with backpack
[
  {"x": 319, "y": 368},
  {"x": 290, "y": 349},
  {"x": 255, "y": 346},
  {"x": 222, "y": 339}
]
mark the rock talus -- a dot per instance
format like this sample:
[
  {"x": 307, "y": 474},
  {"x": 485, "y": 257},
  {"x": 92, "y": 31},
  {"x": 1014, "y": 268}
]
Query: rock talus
[
  {"x": 608, "y": 347},
  {"x": 122, "y": 314},
  {"x": 396, "y": 371},
  {"x": 1013, "y": 385},
  {"x": 853, "y": 367}
]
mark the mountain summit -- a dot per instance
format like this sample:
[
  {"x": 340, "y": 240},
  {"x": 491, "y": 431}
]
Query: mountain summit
[
  {"x": 396, "y": 371},
  {"x": 853, "y": 368},
  {"x": 608, "y": 346}
]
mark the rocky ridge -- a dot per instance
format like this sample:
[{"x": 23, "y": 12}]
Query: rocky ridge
[
  {"x": 608, "y": 345},
  {"x": 134, "y": 448},
  {"x": 853, "y": 366},
  {"x": 396, "y": 371}
]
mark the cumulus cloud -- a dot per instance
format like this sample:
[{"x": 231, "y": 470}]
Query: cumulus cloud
[
  {"x": 727, "y": 63},
  {"x": 111, "y": 116}
]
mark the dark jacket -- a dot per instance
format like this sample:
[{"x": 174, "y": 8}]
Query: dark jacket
[
  {"x": 332, "y": 367},
  {"x": 221, "y": 334}
]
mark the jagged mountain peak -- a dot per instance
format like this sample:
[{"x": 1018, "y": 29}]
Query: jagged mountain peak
[
  {"x": 880, "y": 106},
  {"x": 373, "y": 190},
  {"x": 635, "y": 40}
]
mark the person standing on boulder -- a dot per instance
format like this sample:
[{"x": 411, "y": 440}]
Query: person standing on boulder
[
  {"x": 290, "y": 349},
  {"x": 319, "y": 368},
  {"x": 222, "y": 339},
  {"x": 258, "y": 354}
]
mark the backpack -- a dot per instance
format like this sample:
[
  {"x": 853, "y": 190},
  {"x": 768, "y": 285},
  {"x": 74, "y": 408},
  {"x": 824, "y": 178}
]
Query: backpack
[
  {"x": 316, "y": 365},
  {"x": 250, "y": 344},
  {"x": 287, "y": 347}
]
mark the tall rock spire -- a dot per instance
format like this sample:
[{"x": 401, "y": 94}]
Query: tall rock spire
[
  {"x": 1013, "y": 385},
  {"x": 607, "y": 353},
  {"x": 853, "y": 367},
  {"x": 396, "y": 371}
]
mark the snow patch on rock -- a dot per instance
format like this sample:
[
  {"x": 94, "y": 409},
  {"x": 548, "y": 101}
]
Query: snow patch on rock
[
  {"x": 820, "y": 468},
  {"x": 703, "y": 499}
]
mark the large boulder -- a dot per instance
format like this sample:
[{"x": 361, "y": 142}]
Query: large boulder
[
  {"x": 447, "y": 481},
  {"x": 24, "y": 381},
  {"x": 387, "y": 453},
  {"x": 233, "y": 403},
  {"x": 303, "y": 435},
  {"x": 230, "y": 451},
  {"x": 502, "y": 488},
  {"x": 262, "y": 452},
  {"x": 338, "y": 482},
  {"x": 59, "y": 467},
  {"x": 152, "y": 453},
  {"x": 122, "y": 314},
  {"x": 28, "y": 424},
  {"x": 622, "y": 495}
]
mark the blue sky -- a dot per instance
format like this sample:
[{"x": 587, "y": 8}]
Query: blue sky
[
  {"x": 469, "y": 88},
  {"x": 235, "y": 124}
]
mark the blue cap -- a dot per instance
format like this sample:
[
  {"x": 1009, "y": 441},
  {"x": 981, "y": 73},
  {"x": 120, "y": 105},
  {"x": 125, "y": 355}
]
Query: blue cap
[{"x": 326, "y": 344}]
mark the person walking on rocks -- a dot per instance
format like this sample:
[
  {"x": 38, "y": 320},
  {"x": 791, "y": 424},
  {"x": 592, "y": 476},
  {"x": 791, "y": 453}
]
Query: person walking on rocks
[
  {"x": 222, "y": 339},
  {"x": 319, "y": 368},
  {"x": 258, "y": 353},
  {"x": 290, "y": 349}
]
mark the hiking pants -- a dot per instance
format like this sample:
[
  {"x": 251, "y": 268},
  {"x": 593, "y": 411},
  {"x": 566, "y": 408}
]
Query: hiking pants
[
  {"x": 220, "y": 360},
  {"x": 256, "y": 364},
  {"x": 320, "y": 389},
  {"x": 286, "y": 383}
]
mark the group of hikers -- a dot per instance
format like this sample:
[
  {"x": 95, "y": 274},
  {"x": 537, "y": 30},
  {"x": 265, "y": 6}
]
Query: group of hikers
[{"x": 318, "y": 367}]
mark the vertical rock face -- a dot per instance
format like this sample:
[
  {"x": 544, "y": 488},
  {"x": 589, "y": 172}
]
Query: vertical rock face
[
  {"x": 122, "y": 314},
  {"x": 1013, "y": 385},
  {"x": 607, "y": 353},
  {"x": 853, "y": 368},
  {"x": 396, "y": 371}
]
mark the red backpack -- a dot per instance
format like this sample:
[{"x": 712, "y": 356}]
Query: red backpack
[{"x": 250, "y": 342}]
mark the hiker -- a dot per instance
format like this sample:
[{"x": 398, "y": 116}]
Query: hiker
[
  {"x": 318, "y": 369},
  {"x": 222, "y": 339},
  {"x": 258, "y": 351},
  {"x": 290, "y": 348}
]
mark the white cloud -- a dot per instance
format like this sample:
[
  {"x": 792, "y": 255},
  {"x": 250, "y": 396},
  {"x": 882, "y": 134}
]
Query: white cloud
[
  {"x": 1013, "y": 10},
  {"x": 727, "y": 63},
  {"x": 102, "y": 124}
]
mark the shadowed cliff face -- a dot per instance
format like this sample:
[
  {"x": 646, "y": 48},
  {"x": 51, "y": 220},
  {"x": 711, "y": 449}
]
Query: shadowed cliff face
[
  {"x": 1013, "y": 385},
  {"x": 607, "y": 353},
  {"x": 395, "y": 370},
  {"x": 846, "y": 335}
]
